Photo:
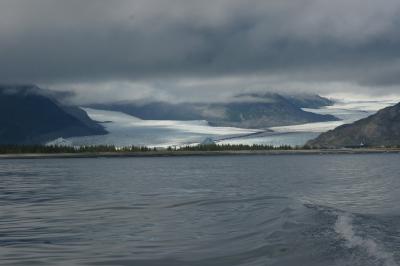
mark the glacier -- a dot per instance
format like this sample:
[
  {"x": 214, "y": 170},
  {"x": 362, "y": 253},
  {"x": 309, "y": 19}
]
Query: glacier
[{"x": 127, "y": 130}]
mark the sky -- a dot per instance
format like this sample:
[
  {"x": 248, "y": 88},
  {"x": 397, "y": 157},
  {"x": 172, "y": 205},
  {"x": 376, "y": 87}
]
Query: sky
[{"x": 182, "y": 50}]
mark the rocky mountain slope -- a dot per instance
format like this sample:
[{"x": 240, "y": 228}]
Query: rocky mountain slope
[{"x": 380, "y": 129}]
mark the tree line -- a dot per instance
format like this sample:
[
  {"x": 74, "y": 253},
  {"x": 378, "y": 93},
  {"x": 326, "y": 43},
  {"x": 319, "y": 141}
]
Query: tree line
[
  {"x": 236, "y": 147},
  {"x": 18, "y": 149},
  {"x": 8, "y": 149}
]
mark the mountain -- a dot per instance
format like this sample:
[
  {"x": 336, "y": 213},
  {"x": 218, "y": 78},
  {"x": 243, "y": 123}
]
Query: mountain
[
  {"x": 301, "y": 100},
  {"x": 156, "y": 110},
  {"x": 380, "y": 129},
  {"x": 29, "y": 115},
  {"x": 245, "y": 110},
  {"x": 309, "y": 100}
]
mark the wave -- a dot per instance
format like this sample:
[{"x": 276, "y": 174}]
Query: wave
[
  {"x": 362, "y": 239},
  {"x": 345, "y": 229}
]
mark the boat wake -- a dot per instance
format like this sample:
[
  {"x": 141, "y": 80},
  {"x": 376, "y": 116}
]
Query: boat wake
[{"x": 344, "y": 228}]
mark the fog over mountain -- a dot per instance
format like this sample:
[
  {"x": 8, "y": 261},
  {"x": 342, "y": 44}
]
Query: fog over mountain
[
  {"x": 184, "y": 49},
  {"x": 250, "y": 110}
]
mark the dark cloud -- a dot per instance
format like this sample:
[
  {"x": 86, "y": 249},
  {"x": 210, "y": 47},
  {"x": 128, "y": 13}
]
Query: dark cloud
[{"x": 165, "y": 43}]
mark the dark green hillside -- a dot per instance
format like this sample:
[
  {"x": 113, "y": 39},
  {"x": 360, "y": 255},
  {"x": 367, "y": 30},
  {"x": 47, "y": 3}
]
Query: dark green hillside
[{"x": 28, "y": 117}]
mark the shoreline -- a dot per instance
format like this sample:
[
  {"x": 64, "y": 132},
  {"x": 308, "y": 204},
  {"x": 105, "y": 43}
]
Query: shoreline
[{"x": 195, "y": 153}]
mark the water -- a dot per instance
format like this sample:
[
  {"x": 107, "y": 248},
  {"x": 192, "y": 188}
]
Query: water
[{"x": 229, "y": 210}]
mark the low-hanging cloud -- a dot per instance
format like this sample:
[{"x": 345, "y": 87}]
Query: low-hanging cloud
[{"x": 167, "y": 43}]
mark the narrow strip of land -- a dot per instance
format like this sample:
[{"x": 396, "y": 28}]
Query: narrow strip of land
[{"x": 196, "y": 153}]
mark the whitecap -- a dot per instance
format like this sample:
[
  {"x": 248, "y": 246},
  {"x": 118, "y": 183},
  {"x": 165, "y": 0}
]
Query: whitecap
[{"x": 345, "y": 229}]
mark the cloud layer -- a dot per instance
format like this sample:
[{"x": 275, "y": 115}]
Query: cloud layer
[{"x": 197, "y": 47}]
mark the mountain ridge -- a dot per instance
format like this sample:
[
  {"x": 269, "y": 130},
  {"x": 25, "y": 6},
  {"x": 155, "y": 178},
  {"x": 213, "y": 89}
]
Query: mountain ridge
[
  {"x": 29, "y": 116},
  {"x": 379, "y": 129},
  {"x": 252, "y": 110}
]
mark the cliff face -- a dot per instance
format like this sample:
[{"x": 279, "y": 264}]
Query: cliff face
[
  {"x": 380, "y": 129},
  {"x": 27, "y": 116}
]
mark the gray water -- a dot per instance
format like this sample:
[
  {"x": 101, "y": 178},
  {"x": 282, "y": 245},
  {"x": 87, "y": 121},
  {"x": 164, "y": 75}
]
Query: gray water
[{"x": 228, "y": 210}]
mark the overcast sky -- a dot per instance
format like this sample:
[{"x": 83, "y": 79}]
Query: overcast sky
[{"x": 201, "y": 49}]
